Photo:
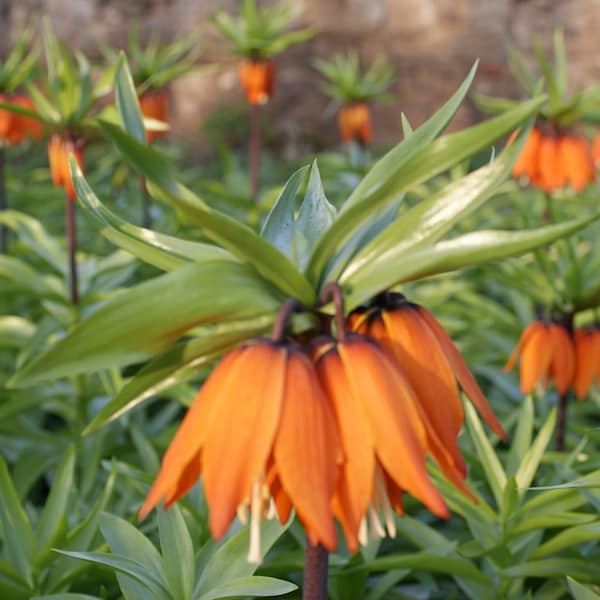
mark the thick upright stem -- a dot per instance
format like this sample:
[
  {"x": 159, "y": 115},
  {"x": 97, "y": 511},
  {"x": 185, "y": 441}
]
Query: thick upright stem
[
  {"x": 561, "y": 425},
  {"x": 72, "y": 242},
  {"x": 315, "y": 572},
  {"x": 254, "y": 150},
  {"x": 3, "y": 203},
  {"x": 146, "y": 216}
]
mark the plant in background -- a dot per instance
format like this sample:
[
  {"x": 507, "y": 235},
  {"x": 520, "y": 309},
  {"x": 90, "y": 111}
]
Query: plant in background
[
  {"x": 64, "y": 104},
  {"x": 354, "y": 89},
  {"x": 556, "y": 154},
  {"x": 15, "y": 71},
  {"x": 311, "y": 253},
  {"x": 257, "y": 35}
]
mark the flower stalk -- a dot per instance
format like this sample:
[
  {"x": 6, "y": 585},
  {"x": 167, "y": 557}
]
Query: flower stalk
[
  {"x": 3, "y": 203},
  {"x": 316, "y": 559},
  {"x": 72, "y": 245},
  {"x": 254, "y": 149}
]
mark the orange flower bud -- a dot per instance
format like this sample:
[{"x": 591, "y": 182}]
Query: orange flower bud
[
  {"x": 258, "y": 80},
  {"x": 59, "y": 149},
  {"x": 354, "y": 123}
]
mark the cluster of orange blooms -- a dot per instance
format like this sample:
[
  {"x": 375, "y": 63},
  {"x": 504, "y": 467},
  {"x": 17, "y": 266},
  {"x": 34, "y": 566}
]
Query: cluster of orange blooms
[
  {"x": 556, "y": 159},
  {"x": 549, "y": 352},
  {"x": 59, "y": 149},
  {"x": 339, "y": 427},
  {"x": 15, "y": 127}
]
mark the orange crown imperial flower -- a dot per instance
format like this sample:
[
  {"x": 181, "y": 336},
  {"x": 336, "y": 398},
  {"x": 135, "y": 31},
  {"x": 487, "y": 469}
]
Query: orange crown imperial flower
[
  {"x": 154, "y": 104},
  {"x": 59, "y": 149},
  {"x": 15, "y": 127},
  {"x": 547, "y": 354},
  {"x": 552, "y": 161},
  {"x": 354, "y": 123},
  {"x": 587, "y": 360},
  {"x": 258, "y": 79}
]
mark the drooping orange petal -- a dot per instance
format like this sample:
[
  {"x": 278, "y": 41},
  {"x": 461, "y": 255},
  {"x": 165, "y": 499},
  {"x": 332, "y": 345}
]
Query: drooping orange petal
[
  {"x": 244, "y": 425},
  {"x": 551, "y": 171},
  {"x": 525, "y": 336},
  {"x": 585, "y": 362},
  {"x": 155, "y": 105},
  {"x": 463, "y": 375},
  {"x": 536, "y": 359},
  {"x": 355, "y": 485},
  {"x": 421, "y": 359},
  {"x": 307, "y": 450},
  {"x": 189, "y": 439},
  {"x": 188, "y": 477},
  {"x": 596, "y": 148},
  {"x": 563, "y": 358},
  {"x": 5, "y": 119},
  {"x": 24, "y": 126},
  {"x": 526, "y": 163},
  {"x": 577, "y": 160},
  {"x": 258, "y": 80},
  {"x": 396, "y": 425}
]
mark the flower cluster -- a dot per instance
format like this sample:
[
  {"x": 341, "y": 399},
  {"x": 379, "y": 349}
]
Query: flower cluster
[
  {"x": 15, "y": 127},
  {"x": 339, "y": 427},
  {"x": 551, "y": 352},
  {"x": 556, "y": 159},
  {"x": 59, "y": 149}
]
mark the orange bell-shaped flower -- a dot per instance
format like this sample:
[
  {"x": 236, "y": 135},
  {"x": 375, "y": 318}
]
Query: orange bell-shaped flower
[
  {"x": 354, "y": 123},
  {"x": 258, "y": 79},
  {"x": 15, "y": 127},
  {"x": 154, "y": 104},
  {"x": 59, "y": 149},
  {"x": 587, "y": 360}
]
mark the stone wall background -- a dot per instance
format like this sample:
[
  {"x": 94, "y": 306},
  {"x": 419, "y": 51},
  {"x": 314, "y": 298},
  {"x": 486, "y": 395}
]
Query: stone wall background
[{"x": 432, "y": 44}]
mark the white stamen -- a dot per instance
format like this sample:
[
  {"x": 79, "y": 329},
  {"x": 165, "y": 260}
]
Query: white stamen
[
  {"x": 363, "y": 532},
  {"x": 254, "y": 556},
  {"x": 242, "y": 513},
  {"x": 376, "y": 529},
  {"x": 383, "y": 502},
  {"x": 272, "y": 510}
]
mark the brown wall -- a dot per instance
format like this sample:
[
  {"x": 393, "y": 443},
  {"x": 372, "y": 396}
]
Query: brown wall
[{"x": 431, "y": 42}]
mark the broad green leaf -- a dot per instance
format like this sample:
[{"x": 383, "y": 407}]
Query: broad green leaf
[
  {"x": 155, "y": 588},
  {"x": 532, "y": 522},
  {"x": 66, "y": 596},
  {"x": 491, "y": 464},
  {"x": 17, "y": 535},
  {"x": 581, "y": 592},
  {"x": 554, "y": 567},
  {"x": 231, "y": 234},
  {"x": 149, "y": 317},
  {"x": 53, "y": 519},
  {"x": 177, "y": 552},
  {"x": 15, "y": 331},
  {"x": 32, "y": 233},
  {"x": 530, "y": 462},
  {"x": 163, "y": 251},
  {"x": 568, "y": 538},
  {"x": 521, "y": 438},
  {"x": 429, "y": 220},
  {"x": 278, "y": 227},
  {"x": 395, "y": 267},
  {"x": 230, "y": 562},
  {"x": 23, "y": 277},
  {"x": 126, "y": 540},
  {"x": 250, "y": 586},
  {"x": 176, "y": 364},
  {"x": 127, "y": 101},
  {"x": 315, "y": 216}
]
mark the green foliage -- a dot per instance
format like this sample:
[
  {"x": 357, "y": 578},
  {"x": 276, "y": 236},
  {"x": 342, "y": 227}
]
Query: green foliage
[
  {"x": 17, "y": 68},
  {"x": 346, "y": 83},
  {"x": 260, "y": 32}
]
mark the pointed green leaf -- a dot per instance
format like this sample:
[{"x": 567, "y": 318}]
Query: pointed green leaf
[
  {"x": 239, "y": 239},
  {"x": 177, "y": 552},
  {"x": 147, "y": 318},
  {"x": 581, "y": 592},
  {"x": 521, "y": 439},
  {"x": 127, "y": 101},
  {"x": 17, "y": 535},
  {"x": 250, "y": 586}
]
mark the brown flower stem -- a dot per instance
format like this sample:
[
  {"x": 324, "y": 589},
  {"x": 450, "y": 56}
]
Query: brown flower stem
[
  {"x": 333, "y": 291},
  {"x": 254, "y": 150},
  {"x": 315, "y": 572},
  {"x": 290, "y": 306},
  {"x": 3, "y": 204},
  {"x": 72, "y": 243},
  {"x": 146, "y": 216},
  {"x": 561, "y": 425}
]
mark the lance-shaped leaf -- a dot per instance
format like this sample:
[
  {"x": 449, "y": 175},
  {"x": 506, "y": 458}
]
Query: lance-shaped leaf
[
  {"x": 177, "y": 364},
  {"x": 238, "y": 238},
  {"x": 23, "y": 277},
  {"x": 397, "y": 266},
  {"x": 163, "y": 251},
  {"x": 127, "y": 101},
  {"x": 416, "y": 167},
  {"x": 145, "y": 319},
  {"x": 429, "y": 220}
]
